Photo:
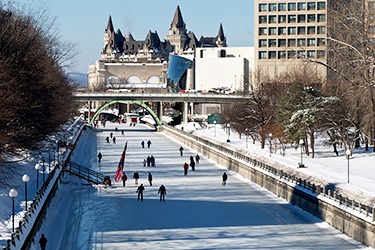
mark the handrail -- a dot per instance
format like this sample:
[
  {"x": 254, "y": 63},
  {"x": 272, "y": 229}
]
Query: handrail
[{"x": 86, "y": 173}]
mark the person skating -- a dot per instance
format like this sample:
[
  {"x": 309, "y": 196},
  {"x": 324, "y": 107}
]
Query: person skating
[
  {"x": 225, "y": 178},
  {"x": 148, "y": 161},
  {"x": 111, "y": 135},
  {"x": 43, "y": 242},
  {"x": 192, "y": 163},
  {"x": 197, "y": 158},
  {"x": 143, "y": 144},
  {"x": 124, "y": 178},
  {"x": 140, "y": 190},
  {"x": 107, "y": 139},
  {"x": 114, "y": 140},
  {"x": 162, "y": 191},
  {"x": 100, "y": 157},
  {"x": 186, "y": 167},
  {"x": 152, "y": 160},
  {"x": 148, "y": 143},
  {"x": 150, "y": 178},
  {"x": 136, "y": 177},
  {"x": 181, "y": 151},
  {"x": 144, "y": 162}
]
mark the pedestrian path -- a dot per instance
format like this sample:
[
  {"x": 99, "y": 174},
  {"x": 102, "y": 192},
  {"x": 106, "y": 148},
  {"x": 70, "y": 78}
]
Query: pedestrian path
[{"x": 199, "y": 212}]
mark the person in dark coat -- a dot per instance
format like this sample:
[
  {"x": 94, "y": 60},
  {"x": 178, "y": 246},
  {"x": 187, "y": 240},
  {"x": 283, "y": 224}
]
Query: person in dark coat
[
  {"x": 107, "y": 139},
  {"x": 186, "y": 167},
  {"x": 181, "y": 151},
  {"x": 192, "y": 163},
  {"x": 140, "y": 190},
  {"x": 152, "y": 160},
  {"x": 123, "y": 178},
  {"x": 100, "y": 157},
  {"x": 143, "y": 144},
  {"x": 43, "y": 242},
  {"x": 148, "y": 143},
  {"x": 197, "y": 158},
  {"x": 162, "y": 191},
  {"x": 114, "y": 140},
  {"x": 150, "y": 178},
  {"x": 111, "y": 135},
  {"x": 148, "y": 161},
  {"x": 136, "y": 177},
  {"x": 144, "y": 162},
  {"x": 225, "y": 178}
]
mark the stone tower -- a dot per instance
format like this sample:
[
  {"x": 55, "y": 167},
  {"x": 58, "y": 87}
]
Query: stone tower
[
  {"x": 177, "y": 35},
  {"x": 221, "y": 41}
]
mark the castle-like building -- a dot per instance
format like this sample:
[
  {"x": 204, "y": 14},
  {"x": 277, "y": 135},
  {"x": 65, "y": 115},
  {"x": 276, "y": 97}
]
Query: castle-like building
[{"x": 139, "y": 64}]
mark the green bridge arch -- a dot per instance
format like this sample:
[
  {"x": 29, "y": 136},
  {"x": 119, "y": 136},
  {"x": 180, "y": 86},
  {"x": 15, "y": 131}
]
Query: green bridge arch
[{"x": 142, "y": 104}]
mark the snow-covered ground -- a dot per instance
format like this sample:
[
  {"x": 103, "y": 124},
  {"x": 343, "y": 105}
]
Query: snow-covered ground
[{"x": 198, "y": 213}]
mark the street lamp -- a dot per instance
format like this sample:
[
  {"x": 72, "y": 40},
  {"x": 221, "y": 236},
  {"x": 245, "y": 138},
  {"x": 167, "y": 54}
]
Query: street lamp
[
  {"x": 215, "y": 127},
  {"x": 25, "y": 178},
  {"x": 348, "y": 152},
  {"x": 301, "y": 143},
  {"x": 228, "y": 126},
  {"x": 44, "y": 169},
  {"x": 247, "y": 135},
  {"x": 37, "y": 168},
  {"x": 270, "y": 136},
  {"x": 13, "y": 194}
]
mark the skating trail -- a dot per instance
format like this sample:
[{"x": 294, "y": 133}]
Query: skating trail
[{"x": 199, "y": 213}]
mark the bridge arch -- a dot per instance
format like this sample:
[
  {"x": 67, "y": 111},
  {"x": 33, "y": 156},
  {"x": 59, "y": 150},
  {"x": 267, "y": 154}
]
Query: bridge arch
[{"x": 142, "y": 104}]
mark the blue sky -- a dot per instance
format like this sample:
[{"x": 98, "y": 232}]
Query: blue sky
[{"x": 83, "y": 21}]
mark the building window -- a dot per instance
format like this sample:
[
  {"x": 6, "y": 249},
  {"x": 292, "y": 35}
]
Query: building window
[
  {"x": 262, "y": 42},
  {"x": 282, "y": 30},
  {"x": 262, "y": 19},
  {"x": 272, "y": 7},
  {"x": 291, "y": 18},
  {"x": 291, "y": 30},
  {"x": 262, "y": 55},
  {"x": 371, "y": 29},
  {"x": 321, "y": 29},
  {"x": 282, "y": 19},
  {"x": 311, "y": 53},
  {"x": 282, "y": 42},
  {"x": 132, "y": 46},
  {"x": 321, "y": 5},
  {"x": 262, "y": 31},
  {"x": 321, "y": 17},
  {"x": 301, "y": 42},
  {"x": 272, "y": 55},
  {"x": 311, "y": 30},
  {"x": 272, "y": 31},
  {"x": 282, "y": 6},
  {"x": 301, "y": 31},
  {"x": 321, "y": 53},
  {"x": 291, "y": 54},
  {"x": 321, "y": 42},
  {"x": 272, "y": 19},
  {"x": 291, "y": 6},
  {"x": 301, "y": 53},
  {"x": 311, "y": 18},
  {"x": 282, "y": 54},
  {"x": 262, "y": 7},
  {"x": 311, "y": 42},
  {"x": 291, "y": 42},
  {"x": 201, "y": 53},
  {"x": 223, "y": 53},
  {"x": 311, "y": 6},
  {"x": 301, "y": 6},
  {"x": 272, "y": 42},
  {"x": 301, "y": 18}
]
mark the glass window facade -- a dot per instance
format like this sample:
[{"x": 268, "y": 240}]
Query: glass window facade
[{"x": 177, "y": 70}]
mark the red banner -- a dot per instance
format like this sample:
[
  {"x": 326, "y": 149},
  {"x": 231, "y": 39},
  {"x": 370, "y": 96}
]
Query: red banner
[{"x": 121, "y": 164}]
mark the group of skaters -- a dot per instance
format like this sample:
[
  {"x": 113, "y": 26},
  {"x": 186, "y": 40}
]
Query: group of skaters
[
  {"x": 148, "y": 144},
  {"x": 191, "y": 164},
  {"x": 149, "y": 161},
  {"x": 111, "y": 137}
]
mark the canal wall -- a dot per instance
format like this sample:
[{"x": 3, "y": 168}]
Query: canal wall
[{"x": 316, "y": 197}]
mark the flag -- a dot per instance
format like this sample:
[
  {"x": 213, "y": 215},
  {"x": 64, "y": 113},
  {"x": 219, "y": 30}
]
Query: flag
[{"x": 120, "y": 166}]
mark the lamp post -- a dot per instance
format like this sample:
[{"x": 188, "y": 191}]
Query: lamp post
[
  {"x": 44, "y": 169},
  {"x": 348, "y": 152},
  {"x": 13, "y": 194},
  {"x": 228, "y": 126},
  {"x": 215, "y": 127},
  {"x": 301, "y": 143},
  {"x": 270, "y": 136},
  {"x": 247, "y": 135},
  {"x": 25, "y": 179},
  {"x": 37, "y": 168}
]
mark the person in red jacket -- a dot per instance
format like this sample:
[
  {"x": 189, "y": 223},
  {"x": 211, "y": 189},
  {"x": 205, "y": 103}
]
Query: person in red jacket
[
  {"x": 186, "y": 167},
  {"x": 123, "y": 178}
]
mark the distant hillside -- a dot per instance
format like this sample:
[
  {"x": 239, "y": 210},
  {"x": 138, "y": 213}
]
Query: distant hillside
[{"x": 79, "y": 78}]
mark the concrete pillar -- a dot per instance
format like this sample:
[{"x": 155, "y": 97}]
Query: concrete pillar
[
  {"x": 185, "y": 112},
  {"x": 160, "y": 110},
  {"x": 88, "y": 114},
  {"x": 191, "y": 108},
  {"x": 127, "y": 107}
]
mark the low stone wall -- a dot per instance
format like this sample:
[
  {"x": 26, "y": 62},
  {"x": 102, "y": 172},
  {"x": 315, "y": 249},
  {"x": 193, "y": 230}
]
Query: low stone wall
[{"x": 349, "y": 217}]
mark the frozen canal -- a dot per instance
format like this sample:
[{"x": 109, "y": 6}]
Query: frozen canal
[{"x": 199, "y": 213}]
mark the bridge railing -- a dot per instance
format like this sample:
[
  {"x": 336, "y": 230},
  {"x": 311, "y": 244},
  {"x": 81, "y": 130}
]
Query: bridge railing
[{"x": 85, "y": 173}]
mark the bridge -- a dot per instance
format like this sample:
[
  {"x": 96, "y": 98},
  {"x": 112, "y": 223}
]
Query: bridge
[{"x": 139, "y": 98}]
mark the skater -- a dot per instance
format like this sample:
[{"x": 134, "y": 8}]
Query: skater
[
  {"x": 186, "y": 167},
  {"x": 116, "y": 129},
  {"x": 148, "y": 143},
  {"x": 122, "y": 132},
  {"x": 148, "y": 161},
  {"x": 114, "y": 140},
  {"x": 100, "y": 157},
  {"x": 192, "y": 163},
  {"x": 152, "y": 160},
  {"x": 143, "y": 144},
  {"x": 136, "y": 177},
  {"x": 123, "y": 178},
  {"x": 107, "y": 139},
  {"x": 225, "y": 178},
  {"x": 43, "y": 242},
  {"x": 150, "y": 178},
  {"x": 111, "y": 135},
  {"x": 144, "y": 162},
  {"x": 181, "y": 151},
  {"x": 197, "y": 158},
  {"x": 140, "y": 190},
  {"x": 162, "y": 191}
]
